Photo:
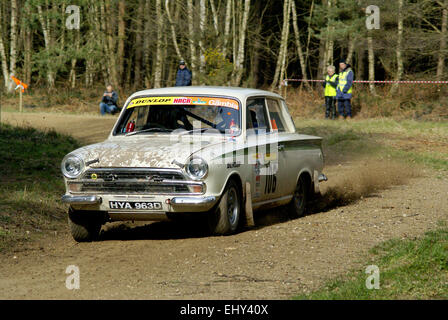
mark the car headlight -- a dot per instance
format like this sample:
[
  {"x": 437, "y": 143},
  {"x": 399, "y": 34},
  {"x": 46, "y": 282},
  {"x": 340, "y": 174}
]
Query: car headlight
[
  {"x": 197, "y": 168},
  {"x": 72, "y": 166}
]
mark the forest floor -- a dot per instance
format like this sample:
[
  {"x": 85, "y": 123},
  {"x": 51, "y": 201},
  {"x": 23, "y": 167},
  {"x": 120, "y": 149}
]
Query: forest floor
[{"x": 387, "y": 180}]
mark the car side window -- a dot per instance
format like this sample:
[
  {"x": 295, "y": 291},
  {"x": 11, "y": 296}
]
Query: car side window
[
  {"x": 288, "y": 117},
  {"x": 278, "y": 121},
  {"x": 256, "y": 117}
]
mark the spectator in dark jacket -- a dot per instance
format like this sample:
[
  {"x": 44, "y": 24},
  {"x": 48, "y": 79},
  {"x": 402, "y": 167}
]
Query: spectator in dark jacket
[
  {"x": 183, "y": 77},
  {"x": 109, "y": 101},
  {"x": 344, "y": 89}
]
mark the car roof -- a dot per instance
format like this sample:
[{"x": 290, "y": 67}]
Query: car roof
[{"x": 240, "y": 93}]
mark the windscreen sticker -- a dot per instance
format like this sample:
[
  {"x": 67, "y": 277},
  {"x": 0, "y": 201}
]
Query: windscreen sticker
[{"x": 208, "y": 101}]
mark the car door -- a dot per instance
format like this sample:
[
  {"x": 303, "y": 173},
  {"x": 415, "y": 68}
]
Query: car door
[
  {"x": 262, "y": 150},
  {"x": 281, "y": 134}
]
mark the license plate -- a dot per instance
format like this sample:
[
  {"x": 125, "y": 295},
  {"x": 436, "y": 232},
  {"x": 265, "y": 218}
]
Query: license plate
[{"x": 125, "y": 205}]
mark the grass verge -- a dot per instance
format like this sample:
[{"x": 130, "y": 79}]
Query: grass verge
[
  {"x": 30, "y": 182},
  {"x": 408, "y": 269},
  {"x": 413, "y": 142}
]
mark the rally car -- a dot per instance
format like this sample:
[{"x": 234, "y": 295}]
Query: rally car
[{"x": 215, "y": 152}]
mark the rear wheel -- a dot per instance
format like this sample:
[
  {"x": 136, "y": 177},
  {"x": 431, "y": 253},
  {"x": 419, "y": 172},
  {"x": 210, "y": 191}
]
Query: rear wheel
[
  {"x": 84, "y": 226},
  {"x": 299, "y": 200},
  {"x": 225, "y": 218}
]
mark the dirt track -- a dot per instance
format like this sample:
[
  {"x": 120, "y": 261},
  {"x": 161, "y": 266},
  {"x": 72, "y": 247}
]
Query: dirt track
[
  {"x": 88, "y": 129},
  {"x": 173, "y": 261}
]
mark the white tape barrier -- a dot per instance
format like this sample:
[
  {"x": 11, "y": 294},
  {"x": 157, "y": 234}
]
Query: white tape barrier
[{"x": 285, "y": 82}]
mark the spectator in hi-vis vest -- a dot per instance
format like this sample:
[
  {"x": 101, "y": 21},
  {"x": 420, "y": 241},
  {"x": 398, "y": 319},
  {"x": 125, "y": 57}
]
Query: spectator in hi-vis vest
[
  {"x": 330, "y": 85},
  {"x": 344, "y": 89}
]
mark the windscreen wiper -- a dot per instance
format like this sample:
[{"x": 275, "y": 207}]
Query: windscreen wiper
[{"x": 148, "y": 130}]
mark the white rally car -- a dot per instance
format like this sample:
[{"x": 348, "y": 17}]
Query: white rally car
[{"x": 219, "y": 152}]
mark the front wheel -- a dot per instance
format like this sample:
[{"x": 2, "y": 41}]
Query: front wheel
[
  {"x": 299, "y": 200},
  {"x": 83, "y": 226},
  {"x": 225, "y": 218}
]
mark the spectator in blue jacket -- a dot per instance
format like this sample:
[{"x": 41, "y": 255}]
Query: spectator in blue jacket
[
  {"x": 109, "y": 101},
  {"x": 344, "y": 89},
  {"x": 183, "y": 77}
]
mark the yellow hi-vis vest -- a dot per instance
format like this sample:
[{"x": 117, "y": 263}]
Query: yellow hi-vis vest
[
  {"x": 343, "y": 80},
  {"x": 329, "y": 90}
]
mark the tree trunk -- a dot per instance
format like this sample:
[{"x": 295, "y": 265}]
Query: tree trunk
[
  {"x": 399, "y": 47},
  {"x": 113, "y": 72},
  {"x": 239, "y": 65},
  {"x": 13, "y": 42},
  {"x": 283, "y": 44},
  {"x": 330, "y": 53},
  {"x": 45, "y": 23},
  {"x": 72, "y": 75},
  {"x": 146, "y": 45},
  {"x": 309, "y": 36},
  {"x": 256, "y": 41},
  {"x": 227, "y": 27},
  {"x": 173, "y": 30},
  {"x": 360, "y": 69},
  {"x": 285, "y": 47},
  {"x": 95, "y": 37},
  {"x": 3, "y": 58},
  {"x": 202, "y": 20},
  {"x": 27, "y": 48},
  {"x": 351, "y": 48},
  {"x": 191, "y": 37},
  {"x": 27, "y": 45},
  {"x": 322, "y": 57},
  {"x": 158, "y": 59},
  {"x": 234, "y": 27},
  {"x": 137, "y": 83},
  {"x": 371, "y": 57},
  {"x": 121, "y": 40},
  {"x": 298, "y": 44},
  {"x": 329, "y": 41},
  {"x": 255, "y": 63},
  {"x": 215, "y": 18},
  {"x": 100, "y": 21},
  {"x": 443, "y": 35}
]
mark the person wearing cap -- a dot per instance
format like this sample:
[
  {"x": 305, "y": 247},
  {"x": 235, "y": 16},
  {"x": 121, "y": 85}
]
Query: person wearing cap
[
  {"x": 344, "y": 89},
  {"x": 183, "y": 77},
  {"x": 330, "y": 86}
]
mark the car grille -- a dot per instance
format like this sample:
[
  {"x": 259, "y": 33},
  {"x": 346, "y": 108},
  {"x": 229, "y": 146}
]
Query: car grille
[
  {"x": 133, "y": 181},
  {"x": 137, "y": 174},
  {"x": 119, "y": 187}
]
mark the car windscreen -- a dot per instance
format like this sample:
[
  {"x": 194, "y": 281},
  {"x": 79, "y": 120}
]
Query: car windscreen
[{"x": 150, "y": 115}]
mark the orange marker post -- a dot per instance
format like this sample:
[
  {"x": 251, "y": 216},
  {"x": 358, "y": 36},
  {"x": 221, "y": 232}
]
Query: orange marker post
[{"x": 22, "y": 86}]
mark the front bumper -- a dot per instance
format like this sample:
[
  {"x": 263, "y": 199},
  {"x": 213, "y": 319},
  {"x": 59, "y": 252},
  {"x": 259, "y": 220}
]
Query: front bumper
[
  {"x": 193, "y": 203},
  {"x": 81, "y": 200},
  {"x": 169, "y": 203}
]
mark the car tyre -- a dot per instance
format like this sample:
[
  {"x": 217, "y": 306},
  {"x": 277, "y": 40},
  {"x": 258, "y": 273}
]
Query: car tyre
[
  {"x": 299, "y": 201},
  {"x": 224, "y": 218},
  {"x": 84, "y": 228}
]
